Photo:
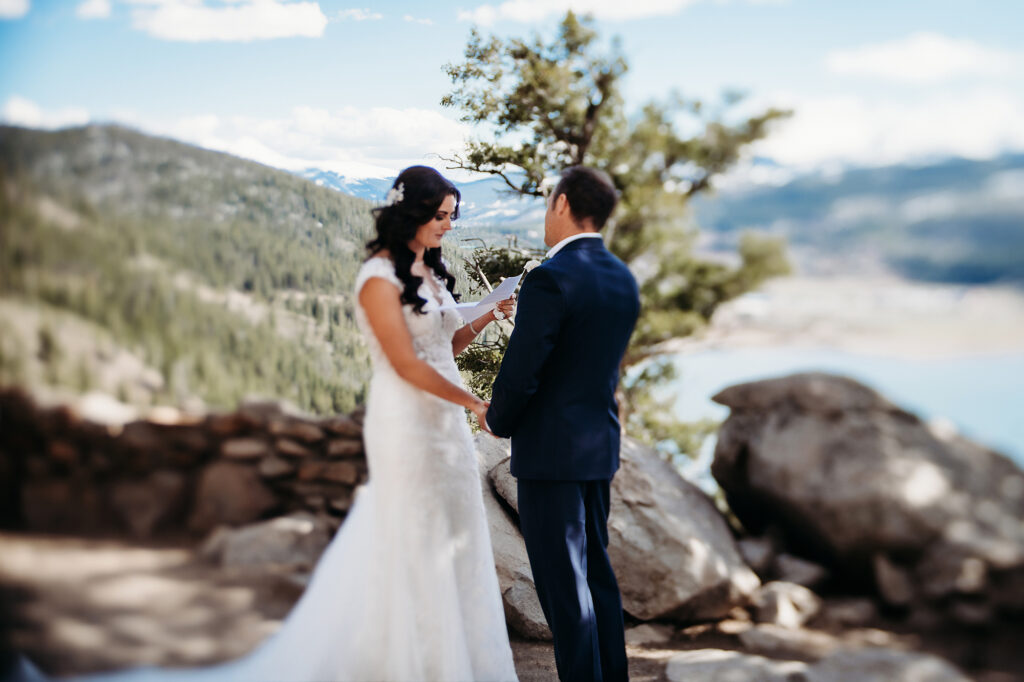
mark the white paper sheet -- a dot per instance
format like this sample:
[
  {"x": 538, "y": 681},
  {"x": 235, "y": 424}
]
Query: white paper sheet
[{"x": 473, "y": 311}]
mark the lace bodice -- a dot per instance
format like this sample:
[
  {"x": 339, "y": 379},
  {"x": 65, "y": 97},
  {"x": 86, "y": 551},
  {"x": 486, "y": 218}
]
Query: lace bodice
[{"x": 431, "y": 331}]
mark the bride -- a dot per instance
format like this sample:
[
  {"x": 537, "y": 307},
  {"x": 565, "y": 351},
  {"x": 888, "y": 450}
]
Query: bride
[{"x": 407, "y": 589}]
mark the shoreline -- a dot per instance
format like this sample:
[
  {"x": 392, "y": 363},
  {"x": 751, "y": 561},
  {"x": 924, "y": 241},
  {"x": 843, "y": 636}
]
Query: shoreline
[{"x": 879, "y": 316}]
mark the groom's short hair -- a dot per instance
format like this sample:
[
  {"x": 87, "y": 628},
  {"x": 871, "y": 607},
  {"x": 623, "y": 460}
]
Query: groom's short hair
[{"x": 590, "y": 193}]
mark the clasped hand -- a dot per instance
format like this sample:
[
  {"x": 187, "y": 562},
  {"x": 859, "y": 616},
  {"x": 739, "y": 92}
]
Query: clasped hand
[{"x": 480, "y": 410}]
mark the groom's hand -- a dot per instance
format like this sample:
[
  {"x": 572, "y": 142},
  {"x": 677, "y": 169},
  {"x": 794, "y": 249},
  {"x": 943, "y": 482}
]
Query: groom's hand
[{"x": 480, "y": 410}]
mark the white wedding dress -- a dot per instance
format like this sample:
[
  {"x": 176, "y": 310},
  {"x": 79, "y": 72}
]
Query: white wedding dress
[{"x": 407, "y": 590}]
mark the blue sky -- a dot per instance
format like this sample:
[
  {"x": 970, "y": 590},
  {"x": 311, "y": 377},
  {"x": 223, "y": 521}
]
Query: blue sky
[{"x": 355, "y": 87}]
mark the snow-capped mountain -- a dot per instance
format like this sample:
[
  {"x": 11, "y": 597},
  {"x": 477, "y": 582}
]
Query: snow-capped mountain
[
  {"x": 485, "y": 202},
  {"x": 372, "y": 189}
]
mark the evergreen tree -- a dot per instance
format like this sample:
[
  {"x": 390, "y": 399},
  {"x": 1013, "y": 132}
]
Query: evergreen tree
[{"x": 548, "y": 105}]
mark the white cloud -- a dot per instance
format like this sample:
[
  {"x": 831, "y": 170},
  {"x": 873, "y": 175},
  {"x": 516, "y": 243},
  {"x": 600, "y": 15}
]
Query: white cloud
[
  {"x": 14, "y": 9},
  {"x": 375, "y": 141},
  {"x": 979, "y": 123},
  {"x": 23, "y": 112},
  {"x": 94, "y": 9},
  {"x": 412, "y": 19},
  {"x": 923, "y": 58},
  {"x": 231, "y": 20},
  {"x": 528, "y": 11},
  {"x": 359, "y": 15}
]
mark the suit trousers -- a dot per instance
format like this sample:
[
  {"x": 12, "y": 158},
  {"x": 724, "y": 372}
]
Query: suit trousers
[{"x": 565, "y": 526}]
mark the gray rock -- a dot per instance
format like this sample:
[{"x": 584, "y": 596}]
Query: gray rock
[
  {"x": 295, "y": 540},
  {"x": 244, "y": 448},
  {"x": 810, "y": 392},
  {"x": 505, "y": 483},
  {"x": 344, "y": 448},
  {"x": 780, "y": 642},
  {"x": 648, "y": 634},
  {"x": 295, "y": 429},
  {"x": 939, "y": 574},
  {"x": 793, "y": 569},
  {"x": 786, "y": 604},
  {"x": 835, "y": 464},
  {"x": 759, "y": 553},
  {"x": 882, "y": 665},
  {"x": 894, "y": 583},
  {"x": 290, "y": 448},
  {"x": 273, "y": 466},
  {"x": 849, "y": 612},
  {"x": 490, "y": 451},
  {"x": 716, "y": 665},
  {"x": 518, "y": 594},
  {"x": 671, "y": 549},
  {"x": 343, "y": 426}
]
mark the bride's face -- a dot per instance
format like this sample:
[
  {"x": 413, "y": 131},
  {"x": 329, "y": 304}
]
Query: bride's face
[{"x": 430, "y": 233}]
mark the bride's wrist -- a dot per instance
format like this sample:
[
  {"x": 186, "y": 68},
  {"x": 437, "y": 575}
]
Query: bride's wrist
[{"x": 477, "y": 325}]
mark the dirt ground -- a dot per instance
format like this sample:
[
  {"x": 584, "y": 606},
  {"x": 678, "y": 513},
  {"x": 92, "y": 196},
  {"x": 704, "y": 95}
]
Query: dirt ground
[{"x": 73, "y": 605}]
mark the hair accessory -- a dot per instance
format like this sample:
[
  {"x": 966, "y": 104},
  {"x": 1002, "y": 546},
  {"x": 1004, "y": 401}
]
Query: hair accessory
[{"x": 395, "y": 195}]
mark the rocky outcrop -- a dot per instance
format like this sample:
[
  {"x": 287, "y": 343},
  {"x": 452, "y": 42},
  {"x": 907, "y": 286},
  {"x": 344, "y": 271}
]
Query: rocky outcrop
[
  {"x": 855, "y": 482},
  {"x": 64, "y": 469},
  {"x": 518, "y": 594},
  {"x": 672, "y": 550}
]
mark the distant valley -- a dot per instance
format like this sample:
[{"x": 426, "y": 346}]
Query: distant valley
[{"x": 957, "y": 221}]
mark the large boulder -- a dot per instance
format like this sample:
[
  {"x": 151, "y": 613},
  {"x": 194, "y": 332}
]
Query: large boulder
[
  {"x": 672, "y": 550},
  {"x": 518, "y": 594},
  {"x": 868, "y": 488}
]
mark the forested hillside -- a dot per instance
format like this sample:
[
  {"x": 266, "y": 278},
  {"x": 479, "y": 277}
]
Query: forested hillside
[{"x": 220, "y": 278}]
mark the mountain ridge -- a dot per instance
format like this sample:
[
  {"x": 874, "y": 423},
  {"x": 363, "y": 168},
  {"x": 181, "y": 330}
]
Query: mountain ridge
[{"x": 952, "y": 220}]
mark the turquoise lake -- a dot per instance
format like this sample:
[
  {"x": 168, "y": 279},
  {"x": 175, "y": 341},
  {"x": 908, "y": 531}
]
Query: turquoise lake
[{"x": 983, "y": 395}]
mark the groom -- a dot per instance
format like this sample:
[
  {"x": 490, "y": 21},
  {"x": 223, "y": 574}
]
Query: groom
[{"x": 555, "y": 397}]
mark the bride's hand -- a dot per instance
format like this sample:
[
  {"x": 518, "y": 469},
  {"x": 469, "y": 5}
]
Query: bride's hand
[
  {"x": 480, "y": 410},
  {"x": 505, "y": 309}
]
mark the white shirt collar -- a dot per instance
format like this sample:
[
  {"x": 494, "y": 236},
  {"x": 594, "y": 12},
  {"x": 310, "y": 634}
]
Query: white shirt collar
[{"x": 560, "y": 245}]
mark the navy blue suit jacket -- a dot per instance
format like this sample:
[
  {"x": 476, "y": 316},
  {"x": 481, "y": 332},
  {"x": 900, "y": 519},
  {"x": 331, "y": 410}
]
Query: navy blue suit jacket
[{"x": 554, "y": 395}]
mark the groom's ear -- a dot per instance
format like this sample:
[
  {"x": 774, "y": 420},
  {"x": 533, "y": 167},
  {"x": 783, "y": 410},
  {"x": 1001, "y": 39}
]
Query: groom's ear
[{"x": 561, "y": 204}]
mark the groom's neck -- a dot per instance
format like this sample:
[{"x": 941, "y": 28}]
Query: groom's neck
[{"x": 570, "y": 231}]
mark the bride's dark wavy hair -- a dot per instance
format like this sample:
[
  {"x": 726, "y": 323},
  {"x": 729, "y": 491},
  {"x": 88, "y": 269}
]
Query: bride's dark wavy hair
[{"x": 423, "y": 189}]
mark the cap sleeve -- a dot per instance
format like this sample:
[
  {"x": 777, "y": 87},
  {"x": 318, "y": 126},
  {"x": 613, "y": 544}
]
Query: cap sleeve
[{"x": 377, "y": 266}]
